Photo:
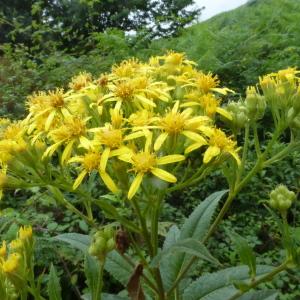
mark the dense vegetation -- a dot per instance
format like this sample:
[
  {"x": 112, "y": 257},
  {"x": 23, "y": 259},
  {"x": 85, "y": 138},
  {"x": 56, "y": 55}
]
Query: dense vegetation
[{"x": 258, "y": 38}]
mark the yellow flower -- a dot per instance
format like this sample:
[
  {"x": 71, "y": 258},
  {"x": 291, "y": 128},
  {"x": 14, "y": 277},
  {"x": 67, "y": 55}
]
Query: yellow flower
[
  {"x": 175, "y": 123},
  {"x": 80, "y": 81},
  {"x": 141, "y": 118},
  {"x": 126, "y": 69},
  {"x": 89, "y": 162},
  {"x": 147, "y": 162},
  {"x": 25, "y": 233},
  {"x": 12, "y": 263},
  {"x": 16, "y": 245},
  {"x": 218, "y": 144},
  {"x": 126, "y": 93},
  {"x": 206, "y": 82},
  {"x": 73, "y": 130}
]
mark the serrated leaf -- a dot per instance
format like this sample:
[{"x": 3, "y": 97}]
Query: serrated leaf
[
  {"x": 76, "y": 240},
  {"x": 188, "y": 246},
  {"x": 260, "y": 295},
  {"x": 93, "y": 276},
  {"x": 118, "y": 267},
  {"x": 245, "y": 252},
  {"x": 198, "y": 222},
  {"x": 195, "y": 226},
  {"x": 53, "y": 286},
  {"x": 208, "y": 285}
]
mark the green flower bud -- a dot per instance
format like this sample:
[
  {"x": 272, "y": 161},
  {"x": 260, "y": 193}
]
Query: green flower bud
[
  {"x": 281, "y": 198},
  {"x": 255, "y": 104},
  {"x": 93, "y": 250},
  {"x": 110, "y": 245},
  {"x": 100, "y": 244},
  {"x": 108, "y": 232},
  {"x": 239, "y": 114}
]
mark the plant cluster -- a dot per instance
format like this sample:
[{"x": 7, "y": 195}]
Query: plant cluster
[{"x": 139, "y": 133}]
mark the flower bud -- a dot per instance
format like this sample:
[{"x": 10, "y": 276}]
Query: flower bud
[
  {"x": 239, "y": 114},
  {"x": 103, "y": 242},
  {"x": 281, "y": 198},
  {"x": 255, "y": 104}
]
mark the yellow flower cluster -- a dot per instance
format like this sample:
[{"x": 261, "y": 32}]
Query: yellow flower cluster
[
  {"x": 138, "y": 121},
  {"x": 15, "y": 260}
]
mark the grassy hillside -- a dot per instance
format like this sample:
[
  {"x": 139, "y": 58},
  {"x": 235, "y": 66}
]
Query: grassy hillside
[{"x": 256, "y": 38}]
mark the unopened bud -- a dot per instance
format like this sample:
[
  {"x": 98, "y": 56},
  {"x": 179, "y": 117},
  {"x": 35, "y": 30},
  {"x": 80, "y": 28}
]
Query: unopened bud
[
  {"x": 281, "y": 198},
  {"x": 255, "y": 104}
]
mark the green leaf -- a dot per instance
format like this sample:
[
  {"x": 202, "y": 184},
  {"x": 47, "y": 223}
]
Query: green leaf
[
  {"x": 189, "y": 246},
  {"x": 261, "y": 295},
  {"x": 245, "y": 252},
  {"x": 113, "y": 297},
  {"x": 76, "y": 240},
  {"x": 118, "y": 267},
  {"x": 195, "y": 226},
  {"x": 198, "y": 222},
  {"x": 93, "y": 276},
  {"x": 53, "y": 287},
  {"x": 212, "y": 286}
]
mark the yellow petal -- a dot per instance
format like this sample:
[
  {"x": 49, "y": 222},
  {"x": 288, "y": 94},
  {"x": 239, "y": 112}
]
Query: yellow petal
[
  {"x": 170, "y": 159},
  {"x": 75, "y": 159},
  {"x": 193, "y": 147},
  {"x": 194, "y": 136},
  {"x": 108, "y": 182},
  {"x": 222, "y": 91},
  {"x": 67, "y": 151},
  {"x": 164, "y": 175},
  {"x": 119, "y": 152},
  {"x": 79, "y": 179},
  {"x": 49, "y": 120},
  {"x": 104, "y": 159},
  {"x": 175, "y": 107},
  {"x": 235, "y": 156},
  {"x": 134, "y": 135},
  {"x": 84, "y": 142},
  {"x": 126, "y": 157},
  {"x": 146, "y": 101},
  {"x": 160, "y": 140},
  {"x": 50, "y": 150},
  {"x": 148, "y": 141},
  {"x": 224, "y": 113},
  {"x": 135, "y": 185},
  {"x": 210, "y": 153}
]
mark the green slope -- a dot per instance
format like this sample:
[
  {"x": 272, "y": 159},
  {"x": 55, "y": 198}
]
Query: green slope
[{"x": 259, "y": 37}]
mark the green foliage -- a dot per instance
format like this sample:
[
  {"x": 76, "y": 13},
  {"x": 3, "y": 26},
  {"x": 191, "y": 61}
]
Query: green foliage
[
  {"x": 255, "y": 39},
  {"x": 54, "y": 289},
  {"x": 220, "y": 284},
  {"x": 51, "y": 25}
]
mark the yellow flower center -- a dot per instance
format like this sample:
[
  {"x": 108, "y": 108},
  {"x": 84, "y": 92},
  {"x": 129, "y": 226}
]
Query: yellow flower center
[
  {"x": 143, "y": 162},
  {"x": 73, "y": 128},
  {"x": 111, "y": 137},
  {"x": 173, "y": 123},
  {"x": 91, "y": 161},
  {"x": 56, "y": 98},
  {"x": 125, "y": 91},
  {"x": 210, "y": 104},
  {"x": 12, "y": 132},
  {"x": 219, "y": 139},
  {"x": 205, "y": 82}
]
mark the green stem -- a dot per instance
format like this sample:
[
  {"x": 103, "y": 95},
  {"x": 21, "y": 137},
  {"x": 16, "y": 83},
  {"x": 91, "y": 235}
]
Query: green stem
[
  {"x": 97, "y": 294},
  {"x": 143, "y": 226},
  {"x": 256, "y": 140},
  {"x": 262, "y": 279}
]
